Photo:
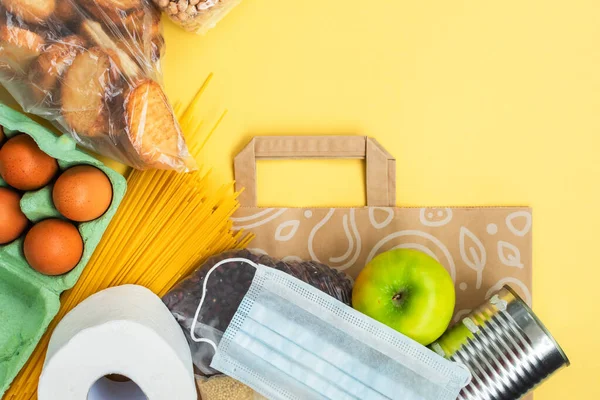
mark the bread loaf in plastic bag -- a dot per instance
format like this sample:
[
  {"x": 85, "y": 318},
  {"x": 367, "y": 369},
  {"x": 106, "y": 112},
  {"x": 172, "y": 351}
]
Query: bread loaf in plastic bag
[{"x": 92, "y": 68}]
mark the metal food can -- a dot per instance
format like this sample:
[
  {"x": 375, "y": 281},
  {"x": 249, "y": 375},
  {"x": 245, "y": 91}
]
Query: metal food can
[{"x": 505, "y": 346}]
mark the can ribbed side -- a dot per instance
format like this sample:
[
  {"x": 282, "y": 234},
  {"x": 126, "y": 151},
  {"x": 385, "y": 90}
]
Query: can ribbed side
[{"x": 506, "y": 348}]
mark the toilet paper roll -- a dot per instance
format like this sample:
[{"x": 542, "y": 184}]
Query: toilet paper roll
[{"x": 124, "y": 330}]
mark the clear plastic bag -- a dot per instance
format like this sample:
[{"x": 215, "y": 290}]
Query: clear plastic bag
[
  {"x": 227, "y": 287},
  {"x": 92, "y": 68},
  {"x": 197, "y": 16}
]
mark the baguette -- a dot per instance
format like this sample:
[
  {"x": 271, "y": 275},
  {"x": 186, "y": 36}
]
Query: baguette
[
  {"x": 31, "y": 11},
  {"x": 113, "y": 10},
  {"x": 144, "y": 22},
  {"x": 47, "y": 70},
  {"x": 66, "y": 11},
  {"x": 18, "y": 48},
  {"x": 150, "y": 125},
  {"x": 95, "y": 33},
  {"x": 86, "y": 90}
]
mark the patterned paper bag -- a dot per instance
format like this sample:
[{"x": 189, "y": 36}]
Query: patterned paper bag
[{"x": 483, "y": 248}]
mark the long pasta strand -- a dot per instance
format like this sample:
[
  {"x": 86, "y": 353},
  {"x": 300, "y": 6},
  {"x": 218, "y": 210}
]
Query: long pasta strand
[{"x": 166, "y": 225}]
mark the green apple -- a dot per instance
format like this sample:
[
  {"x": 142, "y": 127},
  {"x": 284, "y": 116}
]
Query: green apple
[{"x": 407, "y": 290}]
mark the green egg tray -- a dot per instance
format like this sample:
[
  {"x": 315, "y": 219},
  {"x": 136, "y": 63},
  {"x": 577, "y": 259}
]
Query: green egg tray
[{"x": 30, "y": 300}]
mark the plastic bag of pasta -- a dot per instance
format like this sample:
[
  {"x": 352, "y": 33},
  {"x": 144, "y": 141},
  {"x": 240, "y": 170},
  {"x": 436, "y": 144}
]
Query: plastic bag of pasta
[
  {"x": 92, "y": 68},
  {"x": 226, "y": 287}
]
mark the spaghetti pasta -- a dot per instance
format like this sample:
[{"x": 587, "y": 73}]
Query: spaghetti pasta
[{"x": 166, "y": 224}]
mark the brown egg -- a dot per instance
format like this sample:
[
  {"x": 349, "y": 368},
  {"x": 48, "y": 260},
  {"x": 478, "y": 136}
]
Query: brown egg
[
  {"x": 53, "y": 247},
  {"x": 82, "y": 193},
  {"x": 24, "y": 166},
  {"x": 12, "y": 220}
]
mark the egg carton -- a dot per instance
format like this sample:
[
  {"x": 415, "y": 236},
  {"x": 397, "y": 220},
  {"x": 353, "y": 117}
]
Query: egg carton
[{"x": 29, "y": 300}]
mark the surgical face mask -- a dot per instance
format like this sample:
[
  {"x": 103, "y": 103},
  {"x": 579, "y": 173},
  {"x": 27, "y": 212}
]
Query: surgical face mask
[{"x": 289, "y": 340}]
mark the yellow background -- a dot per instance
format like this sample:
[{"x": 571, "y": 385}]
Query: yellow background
[{"x": 481, "y": 103}]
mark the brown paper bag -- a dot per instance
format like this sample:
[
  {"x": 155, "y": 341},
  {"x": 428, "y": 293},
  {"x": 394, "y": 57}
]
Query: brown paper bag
[{"x": 483, "y": 248}]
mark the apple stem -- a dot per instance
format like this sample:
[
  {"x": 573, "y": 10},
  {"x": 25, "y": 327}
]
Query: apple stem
[{"x": 398, "y": 298}]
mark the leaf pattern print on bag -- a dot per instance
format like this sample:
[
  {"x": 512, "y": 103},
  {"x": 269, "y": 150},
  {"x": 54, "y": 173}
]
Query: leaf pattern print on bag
[
  {"x": 509, "y": 254},
  {"x": 472, "y": 255}
]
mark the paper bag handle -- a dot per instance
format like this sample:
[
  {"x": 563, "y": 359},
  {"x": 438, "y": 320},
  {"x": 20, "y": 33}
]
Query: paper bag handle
[{"x": 381, "y": 166}]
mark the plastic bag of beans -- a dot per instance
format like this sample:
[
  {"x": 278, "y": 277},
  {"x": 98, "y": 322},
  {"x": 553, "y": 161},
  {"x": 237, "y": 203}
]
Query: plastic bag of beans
[
  {"x": 227, "y": 286},
  {"x": 196, "y": 15},
  {"x": 92, "y": 68}
]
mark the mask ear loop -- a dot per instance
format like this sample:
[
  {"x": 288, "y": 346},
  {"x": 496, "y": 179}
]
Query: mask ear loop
[{"x": 217, "y": 265}]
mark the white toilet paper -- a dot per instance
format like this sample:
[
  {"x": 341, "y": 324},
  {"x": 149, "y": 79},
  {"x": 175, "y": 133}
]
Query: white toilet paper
[{"x": 125, "y": 330}]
